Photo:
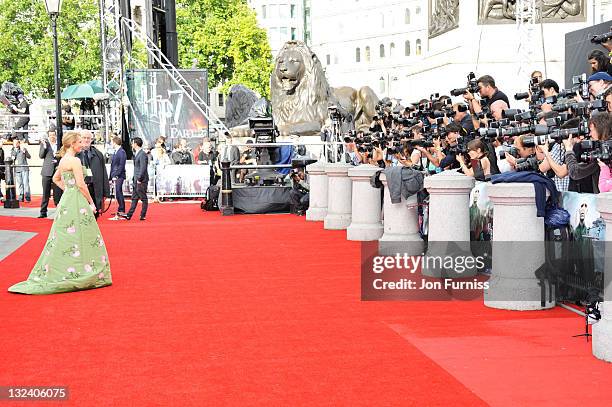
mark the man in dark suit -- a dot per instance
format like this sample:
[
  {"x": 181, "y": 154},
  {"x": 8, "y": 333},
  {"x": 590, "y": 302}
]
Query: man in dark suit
[
  {"x": 95, "y": 173},
  {"x": 117, "y": 174},
  {"x": 141, "y": 180},
  {"x": 48, "y": 152}
]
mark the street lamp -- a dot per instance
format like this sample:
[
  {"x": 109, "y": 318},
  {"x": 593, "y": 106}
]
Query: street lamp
[{"x": 53, "y": 8}]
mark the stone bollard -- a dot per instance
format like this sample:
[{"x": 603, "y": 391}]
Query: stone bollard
[
  {"x": 518, "y": 250},
  {"x": 226, "y": 207},
  {"x": 339, "y": 194},
  {"x": 449, "y": 222},
  {"x": 400, "y": 226},
  {"x": 317, "y": 179},
  {"x": 366, "y": 203},
  {"x": 602, "y": 331}
]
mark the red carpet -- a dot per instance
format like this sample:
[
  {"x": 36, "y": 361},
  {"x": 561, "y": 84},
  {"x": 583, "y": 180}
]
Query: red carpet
[{"x": 265, "y": 310}]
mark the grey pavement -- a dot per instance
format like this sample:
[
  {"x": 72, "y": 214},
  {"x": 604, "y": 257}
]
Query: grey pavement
[
  {"x": 26, "y": 212},
  {"x": 11, "y": 240}
]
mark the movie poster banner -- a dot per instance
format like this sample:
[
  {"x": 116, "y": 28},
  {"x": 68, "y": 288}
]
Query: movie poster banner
[{"x": 158, "y": 106}]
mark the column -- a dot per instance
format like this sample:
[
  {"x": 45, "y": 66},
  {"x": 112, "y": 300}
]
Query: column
[
  {"x": 518, "y": 250},
  {"x": 366, "y": 205},
  {"x": 400, "y": 225},
  {"x": 449, "y": 222},
  {"x": 317, "y": 180},
  {"x": 602, "y": 330},
  {"x": 339, "y": 196}
]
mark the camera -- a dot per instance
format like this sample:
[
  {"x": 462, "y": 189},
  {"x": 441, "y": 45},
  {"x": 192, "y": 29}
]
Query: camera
[
  {"x": 598, "y": 150},
  {"x": 534, "y": 94},
  {"x": 527, "y": 164},
  {"x": 472, "y": 86},
  {"x": 510, "y": 150},
  {"x": 599, "y": 39}
]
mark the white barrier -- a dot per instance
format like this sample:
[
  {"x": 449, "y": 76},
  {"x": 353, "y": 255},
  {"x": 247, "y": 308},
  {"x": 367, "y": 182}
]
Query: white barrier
[
  {"x": 602, "y": 331},
  {"x": 449, "y": 221},
  {"x": 513, "y": 283},
  {"x": 366, "y": 205},
  {"x": 339, "y": 196},
  {"x": 317, "y": 178},
  {"x": 400, "y": 225}
]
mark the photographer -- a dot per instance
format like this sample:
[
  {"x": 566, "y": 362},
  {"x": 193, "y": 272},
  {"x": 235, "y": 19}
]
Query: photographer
[
  {"x": 554, "y": 164},
  {"x": 550, "y": 89},
  {"x": 480, "y": 167},
  {"x": 492, "y": 98},
  {"x": 599, "y": 62},
  {"x": 599, "y": 83},
  {"x": 584, "y": 177},
  {"x": 68, "y": 121},
  {"x": 527, "y": 158},
  {"x": 352, "y": 156},
  {"x": 463, "y": 117},
  {"x": 378, "y": 125},
  {"x": 608, "y": 98},
  {"x": 300, "y": 193},
  {"x": 449, "y": 153}
]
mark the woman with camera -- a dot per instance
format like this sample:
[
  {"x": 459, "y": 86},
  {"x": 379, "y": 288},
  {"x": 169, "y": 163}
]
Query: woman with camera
[
  {"x": 584, "y": 176},
  {"x": 480, "y": 166}
]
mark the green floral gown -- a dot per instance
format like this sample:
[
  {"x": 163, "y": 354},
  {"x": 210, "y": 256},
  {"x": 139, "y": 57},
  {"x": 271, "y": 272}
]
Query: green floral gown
[{"x": 74, "y": 257}]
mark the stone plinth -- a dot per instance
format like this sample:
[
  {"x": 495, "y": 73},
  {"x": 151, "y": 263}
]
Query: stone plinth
[
  {"x": 339, "y": 196},
  {"x": 602, "y": 330},
  {"x": 449, "y": 221},
  {"x": 518, "y": 250},
  {"x": 317, "y": 180},
  {"x": 400, "y": 226},
  {"x": 366, "y": 205}
]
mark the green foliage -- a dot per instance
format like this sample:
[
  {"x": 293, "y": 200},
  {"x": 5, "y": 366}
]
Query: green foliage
[
  {"x": 26, "y": 56},
  {"x": 224, "y": 38}
]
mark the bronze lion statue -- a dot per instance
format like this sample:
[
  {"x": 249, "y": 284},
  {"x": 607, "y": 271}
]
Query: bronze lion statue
[{"x": 301, "y": 94}]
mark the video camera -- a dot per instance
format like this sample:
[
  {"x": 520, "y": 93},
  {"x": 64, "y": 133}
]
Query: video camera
[
  {"x": 264, "y": 129},
  {"x": 472, "y": 86}
]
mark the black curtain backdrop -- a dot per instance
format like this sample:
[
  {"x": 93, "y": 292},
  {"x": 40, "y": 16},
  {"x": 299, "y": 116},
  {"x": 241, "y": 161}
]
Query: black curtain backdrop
[{"x": 577, "y": 48}]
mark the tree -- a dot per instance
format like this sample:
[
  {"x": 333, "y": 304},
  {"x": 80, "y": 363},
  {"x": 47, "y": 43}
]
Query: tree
[
  {"x": 27, "y": 55},
  {"x": 223, "y": 36}
]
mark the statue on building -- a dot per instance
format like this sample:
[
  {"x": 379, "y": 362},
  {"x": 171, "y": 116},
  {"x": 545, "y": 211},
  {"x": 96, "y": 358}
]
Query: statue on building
[
  {"x": 443, "y": 17},
  {"x": 302, "y": 97},
  {"x": 499, "y": 11}
]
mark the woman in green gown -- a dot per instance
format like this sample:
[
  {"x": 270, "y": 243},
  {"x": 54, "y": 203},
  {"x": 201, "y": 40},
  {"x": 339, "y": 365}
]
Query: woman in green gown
[{"x": 74, "y": 257}]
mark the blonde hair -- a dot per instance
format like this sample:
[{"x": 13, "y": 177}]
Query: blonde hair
[{"x": 68, "y": 139}]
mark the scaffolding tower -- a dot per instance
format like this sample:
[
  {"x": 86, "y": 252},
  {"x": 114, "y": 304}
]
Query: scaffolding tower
[
  {"x": 526, "y": 14},
  {"x": 117, "y": 31}
]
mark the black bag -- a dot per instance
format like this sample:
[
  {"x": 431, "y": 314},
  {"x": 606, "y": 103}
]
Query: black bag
[{"x": 211, "y": 203}]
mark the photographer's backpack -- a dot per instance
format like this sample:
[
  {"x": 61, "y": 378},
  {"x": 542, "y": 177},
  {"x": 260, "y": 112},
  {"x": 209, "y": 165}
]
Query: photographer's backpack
[{"x": 211, "y": 203}]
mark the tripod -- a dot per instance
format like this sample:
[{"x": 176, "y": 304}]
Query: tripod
[{"x": 590, "y": 309}]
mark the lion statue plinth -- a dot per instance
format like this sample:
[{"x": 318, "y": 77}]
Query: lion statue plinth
[{"x": 301, "y": 94}]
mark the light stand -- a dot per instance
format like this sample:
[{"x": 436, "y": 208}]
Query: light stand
[{"x": 53, "y": 8}]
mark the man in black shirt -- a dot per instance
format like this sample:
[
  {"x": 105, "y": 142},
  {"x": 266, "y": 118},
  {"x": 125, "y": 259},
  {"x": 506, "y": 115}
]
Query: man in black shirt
[{"x": 492, "y": 98}]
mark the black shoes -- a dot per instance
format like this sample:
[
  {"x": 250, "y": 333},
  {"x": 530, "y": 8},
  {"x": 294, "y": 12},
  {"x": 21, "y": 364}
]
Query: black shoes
[
  {"x": 143, "y": 218},
  {"x": 41, "y": 216}
]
